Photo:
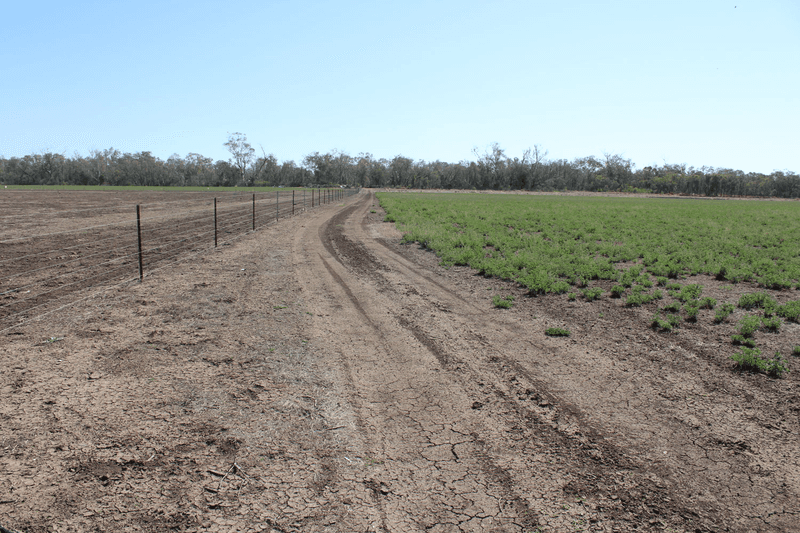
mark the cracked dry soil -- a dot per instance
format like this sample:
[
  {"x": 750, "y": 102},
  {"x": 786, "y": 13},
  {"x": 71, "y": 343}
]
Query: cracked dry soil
[{"x": 316, "y": 375}]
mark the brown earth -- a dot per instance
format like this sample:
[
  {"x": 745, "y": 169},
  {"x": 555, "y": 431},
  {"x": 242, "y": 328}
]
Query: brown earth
[{"x": 316, "y": 375}]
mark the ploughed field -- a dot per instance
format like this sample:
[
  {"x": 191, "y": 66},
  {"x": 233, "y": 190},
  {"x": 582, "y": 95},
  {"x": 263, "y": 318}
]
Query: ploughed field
[
  {"x": 56, "y": 244},
  {"x": 329, "y": 372}
]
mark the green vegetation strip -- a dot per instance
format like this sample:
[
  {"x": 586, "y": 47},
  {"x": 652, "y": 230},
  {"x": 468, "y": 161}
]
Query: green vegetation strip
[{"x": 551, "y": 243}]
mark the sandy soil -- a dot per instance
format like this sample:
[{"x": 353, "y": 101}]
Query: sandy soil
[{"x": 315, "y": 375}]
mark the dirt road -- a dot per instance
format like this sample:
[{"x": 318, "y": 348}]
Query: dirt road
[{"x": 318, "y": 376}]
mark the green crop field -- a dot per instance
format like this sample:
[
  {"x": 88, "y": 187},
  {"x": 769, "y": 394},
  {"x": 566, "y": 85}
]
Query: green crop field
[{"x": 549, "y": 243}]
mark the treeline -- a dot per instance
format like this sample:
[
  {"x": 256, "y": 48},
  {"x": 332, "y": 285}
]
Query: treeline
[{"x": 492, "y": 169}]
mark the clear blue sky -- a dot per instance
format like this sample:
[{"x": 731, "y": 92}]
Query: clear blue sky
[{"x": 699, "y": 82}]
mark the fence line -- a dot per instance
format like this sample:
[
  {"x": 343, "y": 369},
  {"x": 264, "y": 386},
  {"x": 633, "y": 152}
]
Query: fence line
[{"x": 158, "y": 241}]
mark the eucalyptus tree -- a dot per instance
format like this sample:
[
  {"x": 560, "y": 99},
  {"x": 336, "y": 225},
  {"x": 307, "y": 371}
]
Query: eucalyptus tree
[{"x": 242, "y": 153}]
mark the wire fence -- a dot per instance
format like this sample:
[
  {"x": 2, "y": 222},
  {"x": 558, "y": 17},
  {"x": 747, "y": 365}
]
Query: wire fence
[{"x": 48, "y": 271}]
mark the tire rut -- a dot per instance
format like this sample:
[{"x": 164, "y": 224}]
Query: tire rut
[{"x": 421, "y": 432}]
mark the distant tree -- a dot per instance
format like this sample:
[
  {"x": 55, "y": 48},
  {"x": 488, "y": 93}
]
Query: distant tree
[
  {"x": 492, "y": 165},
  {"x": 266, "y": 170},
  {"x": 225, "y": 174},
  {"x": 176, "y": 171},
  {"x": 199, "y": 170},
  {"x": 401, "y": 172},
  {"x": 241, "y": 151},
  {"x": 321, "y": 167}
]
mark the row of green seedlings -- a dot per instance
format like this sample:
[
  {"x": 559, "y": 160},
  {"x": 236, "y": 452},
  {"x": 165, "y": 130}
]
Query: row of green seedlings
[{"x": 688, "y": 298}]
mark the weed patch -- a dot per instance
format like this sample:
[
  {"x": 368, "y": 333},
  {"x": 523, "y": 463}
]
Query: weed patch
[
  {"x": 557, "y": 332},
  {"x": 750, "y": 359}
]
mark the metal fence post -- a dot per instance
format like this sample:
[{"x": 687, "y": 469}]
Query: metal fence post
[
  {"x": 215, "y": 222},
  {"x": 254, "y": 212},
  {"x": 139, "y": 232}
]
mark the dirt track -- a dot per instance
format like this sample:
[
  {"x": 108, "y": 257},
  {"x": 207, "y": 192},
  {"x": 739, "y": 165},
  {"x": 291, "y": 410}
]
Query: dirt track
[{"x": 317, "y": 376}]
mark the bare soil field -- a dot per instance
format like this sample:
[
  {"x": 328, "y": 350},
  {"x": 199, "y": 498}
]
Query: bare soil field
[
  {"x": 317, "y": 376},
  {"x": 55, "y": 244}
]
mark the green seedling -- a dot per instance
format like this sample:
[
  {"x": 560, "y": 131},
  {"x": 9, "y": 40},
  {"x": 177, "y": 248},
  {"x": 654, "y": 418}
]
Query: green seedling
[
  {"x": 592, "y": 294},
  {"x": 708, "y": 303},
  {"x": 503, "y": 302},
  {"x": 723, "y": 312},
  {"x": 673, "y": 307},
  {"x": 748, "y": 325},
  {"x": 744, "y": 341},
  {"x": 790, "y": 311},
  {"x": 771, "y": 324}
]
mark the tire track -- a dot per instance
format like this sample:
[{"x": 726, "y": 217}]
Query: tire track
[{"x": 429, "y": 467}]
